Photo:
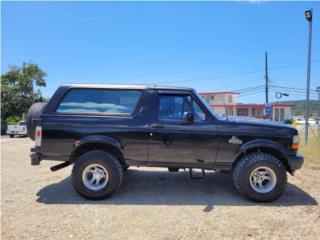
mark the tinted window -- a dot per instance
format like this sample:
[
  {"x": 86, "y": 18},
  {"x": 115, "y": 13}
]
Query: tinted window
[
  {"x": 173, "y": 107},
  {"x": 99, "y": 101}
]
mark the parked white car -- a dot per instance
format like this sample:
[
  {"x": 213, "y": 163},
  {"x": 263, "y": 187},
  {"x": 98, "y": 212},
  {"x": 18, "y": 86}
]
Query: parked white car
[
  {"x": 303, "y": 120},
  {"x": 19, "y": 129}
]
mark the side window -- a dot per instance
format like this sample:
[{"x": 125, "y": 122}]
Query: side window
[
  {"x": 199, "y": 115},
  {"x": 172, "y": 107},
  {"x": 105, "y": 101}
]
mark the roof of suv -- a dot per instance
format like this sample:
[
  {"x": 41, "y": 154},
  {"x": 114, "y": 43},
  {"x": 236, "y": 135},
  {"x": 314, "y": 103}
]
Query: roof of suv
[{"x": 126, "y": 86}]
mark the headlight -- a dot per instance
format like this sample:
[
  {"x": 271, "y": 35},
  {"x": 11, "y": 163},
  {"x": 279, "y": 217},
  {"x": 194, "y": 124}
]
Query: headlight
[{"x": 295, "y": 142}]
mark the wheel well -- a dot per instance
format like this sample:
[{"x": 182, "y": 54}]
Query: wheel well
[
  {"x": 271, "y": 151},
  {"x": 97, "y": 146}
]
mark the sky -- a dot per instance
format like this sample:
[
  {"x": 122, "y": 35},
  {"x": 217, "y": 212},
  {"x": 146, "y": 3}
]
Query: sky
[{"x": 210, "y": 46}]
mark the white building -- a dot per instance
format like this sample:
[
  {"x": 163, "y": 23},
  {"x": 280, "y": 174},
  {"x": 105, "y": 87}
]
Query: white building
[{"x": 226, "y": 102}]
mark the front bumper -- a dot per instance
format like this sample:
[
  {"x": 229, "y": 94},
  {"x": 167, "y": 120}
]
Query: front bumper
[
  {"x": 295, "y": 162},
  {"x": 16, "y": 133}
]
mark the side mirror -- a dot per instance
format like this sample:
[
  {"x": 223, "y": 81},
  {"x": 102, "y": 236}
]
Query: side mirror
[{"x": 187, "y": 117}]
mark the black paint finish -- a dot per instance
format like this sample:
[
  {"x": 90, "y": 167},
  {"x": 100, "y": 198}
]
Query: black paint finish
[{"x": 145, "y": 141}]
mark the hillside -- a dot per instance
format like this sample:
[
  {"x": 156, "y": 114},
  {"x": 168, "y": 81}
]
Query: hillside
[{"x": 299, "y": 106}]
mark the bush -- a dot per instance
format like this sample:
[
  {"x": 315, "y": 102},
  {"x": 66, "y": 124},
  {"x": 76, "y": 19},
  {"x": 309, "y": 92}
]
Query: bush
[
  {"x": 289, "y": 121},
  {"x": 13, "y": 120}
]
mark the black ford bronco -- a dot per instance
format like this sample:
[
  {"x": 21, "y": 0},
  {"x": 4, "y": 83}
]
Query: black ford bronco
[{"x": 104, "y": 129}]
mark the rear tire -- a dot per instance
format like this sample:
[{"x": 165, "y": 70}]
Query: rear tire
[
  {"x": 260, "y": 177},
  {"x": 86, "y": 179}
]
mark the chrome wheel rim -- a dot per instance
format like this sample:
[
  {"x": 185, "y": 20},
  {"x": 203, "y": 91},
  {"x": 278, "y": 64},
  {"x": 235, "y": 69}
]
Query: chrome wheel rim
[
  {"x": 263, "y": 179},
  {"x": 95, "y": 177}
]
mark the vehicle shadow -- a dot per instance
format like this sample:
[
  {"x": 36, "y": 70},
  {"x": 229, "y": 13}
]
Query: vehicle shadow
[{"x": 164, "y": 188}]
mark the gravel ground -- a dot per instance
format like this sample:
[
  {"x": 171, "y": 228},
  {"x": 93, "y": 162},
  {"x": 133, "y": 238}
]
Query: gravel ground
[{"x": 151, "y": 204}]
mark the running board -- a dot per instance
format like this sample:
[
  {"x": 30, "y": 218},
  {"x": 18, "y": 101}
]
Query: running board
[
  {"x": 59, "y": 166},
  {"x": 191, "y": 173}
]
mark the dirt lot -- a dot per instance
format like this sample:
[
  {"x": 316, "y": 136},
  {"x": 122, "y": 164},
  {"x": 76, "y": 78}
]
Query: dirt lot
[{"x": 152, "y": 204}]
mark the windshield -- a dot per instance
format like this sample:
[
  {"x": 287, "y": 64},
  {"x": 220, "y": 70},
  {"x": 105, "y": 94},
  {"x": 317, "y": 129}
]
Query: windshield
[{"x": 216, "y": 115}]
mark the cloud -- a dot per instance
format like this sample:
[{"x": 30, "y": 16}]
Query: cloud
[{"x": 89, "y": 19}]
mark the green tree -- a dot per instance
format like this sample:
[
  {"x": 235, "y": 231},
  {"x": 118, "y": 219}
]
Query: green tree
[{"x": 17, "y": 89}]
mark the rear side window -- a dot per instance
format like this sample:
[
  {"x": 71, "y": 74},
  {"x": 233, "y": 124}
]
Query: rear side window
[{"x": 104, "y": 101}]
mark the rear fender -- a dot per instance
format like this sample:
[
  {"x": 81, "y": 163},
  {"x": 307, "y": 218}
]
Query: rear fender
[
  {"x": 100, "y": 139},
  {"x": 97, "y": 142}
]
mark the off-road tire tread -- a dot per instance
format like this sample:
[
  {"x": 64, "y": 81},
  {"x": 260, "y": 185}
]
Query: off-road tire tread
[
  {"x": 97, "y": 154},
  {"x": 253, "y": 158}
]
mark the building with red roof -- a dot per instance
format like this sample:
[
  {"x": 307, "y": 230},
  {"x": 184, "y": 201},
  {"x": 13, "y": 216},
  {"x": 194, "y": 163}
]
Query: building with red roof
[{"x": 226, "y": 103}]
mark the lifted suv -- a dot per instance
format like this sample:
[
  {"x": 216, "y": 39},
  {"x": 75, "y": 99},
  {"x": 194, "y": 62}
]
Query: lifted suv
[{"x": 104, "y": 129}]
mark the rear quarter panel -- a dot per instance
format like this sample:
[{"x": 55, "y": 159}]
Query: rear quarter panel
[{"x": 60, "y": 133}]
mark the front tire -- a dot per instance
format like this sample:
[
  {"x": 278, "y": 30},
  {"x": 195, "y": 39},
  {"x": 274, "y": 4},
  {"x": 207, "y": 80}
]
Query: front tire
[
  {"x": 260, "y": 177},
  {"x": 96, "y": 174},
  {"x": 11, "y": 136}
]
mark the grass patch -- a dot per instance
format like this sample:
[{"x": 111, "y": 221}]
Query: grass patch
[{"x": 311, "y": 152}]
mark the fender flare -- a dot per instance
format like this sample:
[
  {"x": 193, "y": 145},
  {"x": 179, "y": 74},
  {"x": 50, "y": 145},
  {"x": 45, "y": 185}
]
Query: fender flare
[
  {"x": 98, "y": 139},
  {"x": 262, "y": 143}
]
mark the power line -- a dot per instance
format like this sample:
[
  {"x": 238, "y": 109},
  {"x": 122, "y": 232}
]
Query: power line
[
  {"x": 277, "y": 86},
  {"x": 239, "y": 74},
  {"x": 248, "y": 89},
  {"x": 212, "y": 78},
  {"x": 252, "y": 93},
  {"x": 261, "y": 90},
  {"x": 245, "y": 82},
  {"x": 293, "y": 65},
  {"x": 297, "y": 93},
  {"x": 286, "y": 80},
  {"x": 150, "y": 75},
  {"x": 293, "y": 92}
]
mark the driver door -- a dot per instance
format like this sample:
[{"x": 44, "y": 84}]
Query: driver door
[{"x": 174, "y": 141}]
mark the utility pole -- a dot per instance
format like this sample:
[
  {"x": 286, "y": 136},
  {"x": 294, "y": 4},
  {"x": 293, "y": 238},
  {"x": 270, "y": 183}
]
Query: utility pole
[
  {"x": 267, "y": 108},
  {"x": 308, "y": 15},
  {"x": 267, "y": 78},
  {"x": 318, "y": 90}
]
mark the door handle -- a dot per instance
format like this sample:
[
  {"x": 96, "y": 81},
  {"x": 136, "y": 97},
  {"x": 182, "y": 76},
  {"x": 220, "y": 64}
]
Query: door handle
[{"x": 157, "y": 125}]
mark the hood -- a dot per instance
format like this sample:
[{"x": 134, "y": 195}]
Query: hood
[{"x": 257, "y": 121}]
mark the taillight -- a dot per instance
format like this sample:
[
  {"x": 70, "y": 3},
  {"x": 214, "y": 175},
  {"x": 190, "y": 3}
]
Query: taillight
[{"x": 38, "y": 136}]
